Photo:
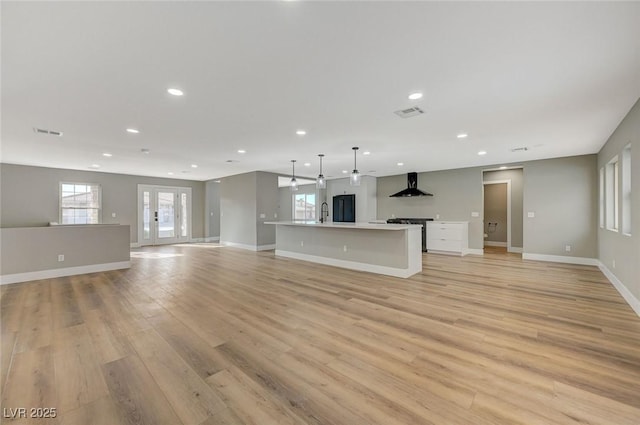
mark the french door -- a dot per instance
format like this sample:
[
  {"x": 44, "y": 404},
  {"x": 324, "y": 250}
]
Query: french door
[{"x": 164, "y": 215}]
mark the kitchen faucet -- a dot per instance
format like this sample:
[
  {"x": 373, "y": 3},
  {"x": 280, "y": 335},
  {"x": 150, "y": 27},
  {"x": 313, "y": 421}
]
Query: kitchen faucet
[{"x": 322, "y": 212}]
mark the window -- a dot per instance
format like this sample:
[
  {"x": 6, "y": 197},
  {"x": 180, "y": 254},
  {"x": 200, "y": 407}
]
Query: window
[
  {"x": 601, "y": 198},
  {"x": 80, "y": 203},
  {"x": 626, "y": 190},
  {"x": 611, "y": 194},
  {"x": 304, "y": 206}
]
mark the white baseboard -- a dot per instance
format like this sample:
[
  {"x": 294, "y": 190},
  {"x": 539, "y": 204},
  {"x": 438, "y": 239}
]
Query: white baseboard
[
  {"x": 67, "y": 271},
  {"x": 626, "y": 294},
  {"x": 515, "y": 249},
  {"x": 249, "y": 247},
  {"x": 197, "y": 240},
  {"x": 134, "y": 245},
  {"x": 561, "y": 259},
  {"x": 212, "y": 239},
  {"x": 352, "y": 265},
  {"x": 474, "y": 251},
  {"x": 493, "y": 243}
]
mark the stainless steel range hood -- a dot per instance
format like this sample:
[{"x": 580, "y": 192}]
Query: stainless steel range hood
[{"x": 412, "y": 188}]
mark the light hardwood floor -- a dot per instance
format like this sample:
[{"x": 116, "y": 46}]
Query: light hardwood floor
[{"x": 204, "y": 335}]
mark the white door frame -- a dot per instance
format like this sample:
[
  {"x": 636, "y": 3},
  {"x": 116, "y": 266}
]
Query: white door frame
[
  {"x": 153, "y": 238},
  {"x": 508, "y": 182}
]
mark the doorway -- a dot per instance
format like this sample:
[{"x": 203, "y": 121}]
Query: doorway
[
  {"x": 497, "y": 215},
  {"x": 164, "y": 215}
]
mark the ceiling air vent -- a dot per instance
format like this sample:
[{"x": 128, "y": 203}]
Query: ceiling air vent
[
  {"x": 522, "y": 149},
  {"x": 410, "y": 112},
  {"x": 43, "y": 131}
]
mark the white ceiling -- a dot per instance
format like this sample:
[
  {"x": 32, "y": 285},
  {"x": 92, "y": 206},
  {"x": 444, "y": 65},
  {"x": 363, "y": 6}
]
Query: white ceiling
[{"x": 556, "y": 77}]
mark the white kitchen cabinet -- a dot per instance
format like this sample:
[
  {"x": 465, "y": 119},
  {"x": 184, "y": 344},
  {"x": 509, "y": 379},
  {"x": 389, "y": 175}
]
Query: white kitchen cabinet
[{"x": 448, "y": 237}]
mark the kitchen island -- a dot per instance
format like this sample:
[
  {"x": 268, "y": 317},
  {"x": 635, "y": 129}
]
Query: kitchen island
[{"x": 389, "y": 249}]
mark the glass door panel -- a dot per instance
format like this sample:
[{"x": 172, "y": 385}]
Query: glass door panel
[{"x": 166, "y": 214}]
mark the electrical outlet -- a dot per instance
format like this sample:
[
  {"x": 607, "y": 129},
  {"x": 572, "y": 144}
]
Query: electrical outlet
[
  {"x": 475, "y": 214},
  {"x": 613, "y": 263},
  {"x": 567, "y": 248},
  {"x": 393, "y": 216},
  {"x": 275, "y": 215},
  {"x": 344, "y": 248},
  {"x": 61, "y": 258},
  {"x": 262, "y": 215},
  {"x": 531, "y": 214},
  {"x": 437, "y": 216},
  {"x": 211, "y": 213},
  {"x": 113, "y": 215},
  {"x": 301, "y": 243}
]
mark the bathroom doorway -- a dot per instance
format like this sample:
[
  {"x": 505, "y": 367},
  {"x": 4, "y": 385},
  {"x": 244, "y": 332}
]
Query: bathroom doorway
[{"x": 502, "y": 210}]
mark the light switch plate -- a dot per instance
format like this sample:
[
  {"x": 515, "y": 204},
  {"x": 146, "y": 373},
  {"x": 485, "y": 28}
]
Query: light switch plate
[
  {"x": 475, "y": 214},
  {"x": 531, "y": 214},
  {"x": 262, "y": 215}
]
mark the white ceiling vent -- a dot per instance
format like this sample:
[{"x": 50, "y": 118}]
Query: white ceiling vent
[
  {"x": 521, "y": 149},
  {"x": 43, "y": 131},
  {"x": 410, "y": 112}
]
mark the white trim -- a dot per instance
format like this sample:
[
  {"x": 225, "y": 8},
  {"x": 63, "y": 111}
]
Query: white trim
[
  {"x": 196, "y": 240},
  {"x": 352, "y": 265},
  {"x": 67, "y": 271},
  {"x": 239, "y": 245},
  {"x": 561, "y": 259},
  {"x": 266, "y": 247},
  {"x": 515, "y": 249},
  {"x": 495, "y": 243},
  {"x": 623, "y": 290},
  {"x": 474, "y": 251},
  {"x": 134, "y": 245},
  {"x": 212, "y": 239}
]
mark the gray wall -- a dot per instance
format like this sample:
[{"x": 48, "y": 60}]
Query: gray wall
[
  {"x": 285, "y": 201},
  {"x": 562, "y": 193},
  {"x": 457, "y": 193},
  {"x": 243, "y": 199},
  {"x": 30, "y": 196},
  {"x": 517, "y": 214},
  {"x": 266, "y": 207},
  {"x": 212, "y": 209},
  {"x": 495, "y": 212},
  {"x": 614, "y": 246},
  {"x": 366, "y": 200},
  {"x": 34, "y": 249},
  {"x": 238, "y": 209}
]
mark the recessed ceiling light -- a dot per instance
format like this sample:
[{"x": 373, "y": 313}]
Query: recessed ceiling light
[
  {"x": 482, "y": 153},
  {"x": 107, "y": 154},
  {"x": 366, "y": 153},
  {"x": 95, "y": 166},
  {"x": 462, "y": 136},
  {"x": 415, "y": 96},
  {"x": 145, "y": 150},
  {"x": 504, "y": 167},
  {"x": 241, "y": 151},
  {"x": 307, "y": 164},
  {"x": 170, "y": 173},
  {"x": 133, "y": 130},
  {"x": 194, "y": 166},
  {"x": 400, "y": 164},
  {"x": 301, "y": 132},
  {"x": 175, "y": 92},
  {"x": 344, "y": 171}
]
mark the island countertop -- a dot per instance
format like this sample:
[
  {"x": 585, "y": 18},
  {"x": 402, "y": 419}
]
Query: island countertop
[{"x": 356, "y": 226}]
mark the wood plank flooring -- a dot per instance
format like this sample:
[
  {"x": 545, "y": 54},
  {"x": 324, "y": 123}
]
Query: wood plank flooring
[{"x": 206, "y": 335}]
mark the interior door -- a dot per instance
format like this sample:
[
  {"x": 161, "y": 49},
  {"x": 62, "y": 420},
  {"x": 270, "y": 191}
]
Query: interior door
[{"x": 164, "y": 215}]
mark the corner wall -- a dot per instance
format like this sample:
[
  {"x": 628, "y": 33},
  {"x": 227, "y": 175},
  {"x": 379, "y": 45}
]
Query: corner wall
[{"x": 614, "y": 246}]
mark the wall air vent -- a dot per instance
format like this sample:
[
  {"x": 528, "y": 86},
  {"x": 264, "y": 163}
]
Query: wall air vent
[
  {"x": 521, "y": 149},
  {"x": 43, "y": 131},
  {"x": 51, "y": 132},
  {"x": 232, "y": 160},
  {"x": 410, "y": 112}
]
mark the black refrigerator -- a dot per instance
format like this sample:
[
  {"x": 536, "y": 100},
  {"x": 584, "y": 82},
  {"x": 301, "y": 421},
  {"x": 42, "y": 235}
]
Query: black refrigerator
[{"x": 344, "y": 208}]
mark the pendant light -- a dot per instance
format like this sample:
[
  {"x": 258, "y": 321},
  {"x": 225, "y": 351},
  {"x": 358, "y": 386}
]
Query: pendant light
[
  {"x": 321, "y": 182},
  {"x": 355, "y": 175},
  {"x": 294, "y": 183}
]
